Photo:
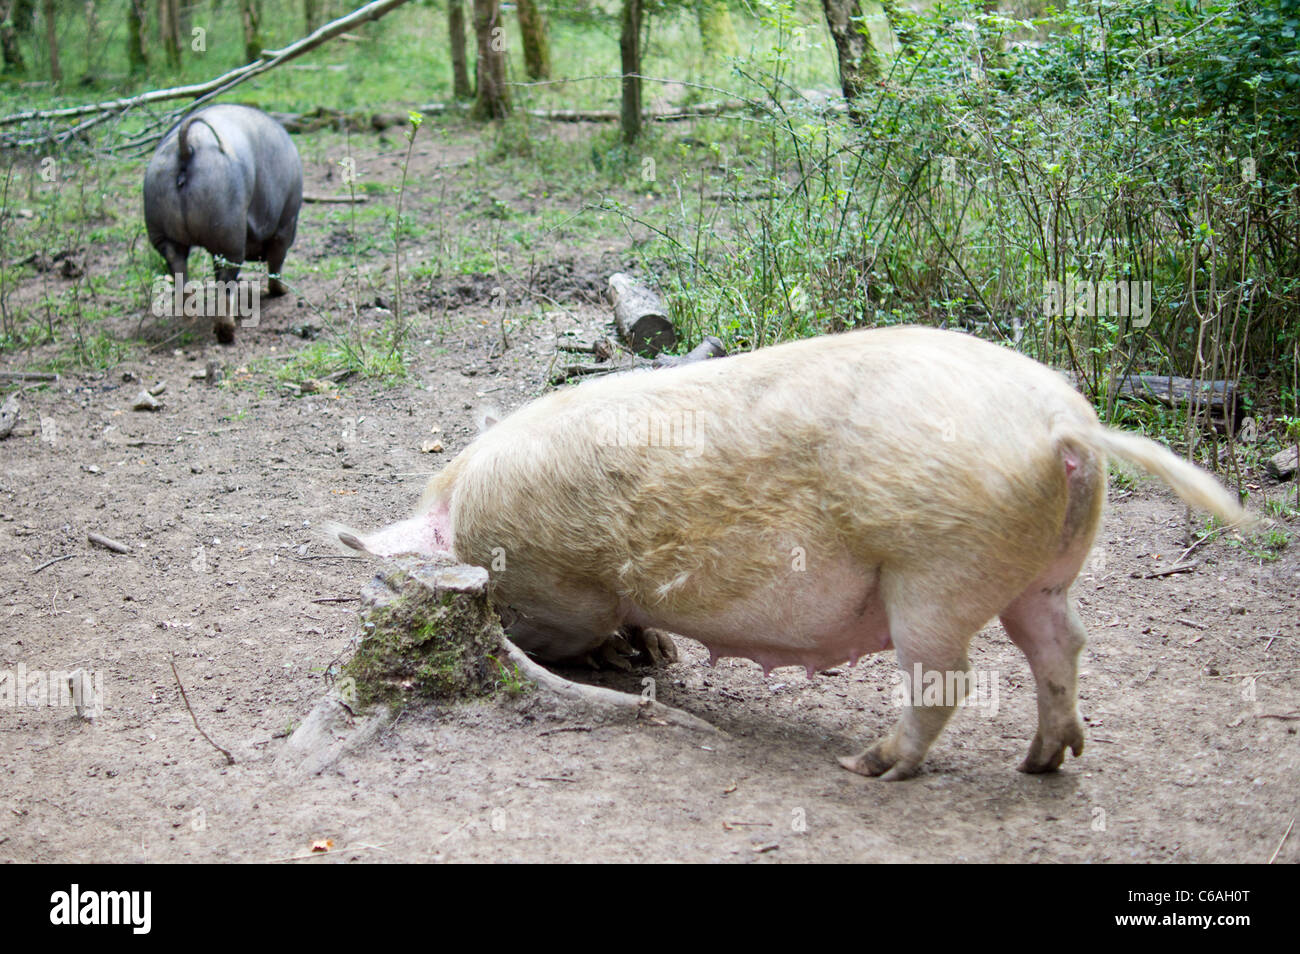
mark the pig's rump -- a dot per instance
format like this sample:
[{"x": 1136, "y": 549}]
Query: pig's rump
[{"x": 797, "y": 505}]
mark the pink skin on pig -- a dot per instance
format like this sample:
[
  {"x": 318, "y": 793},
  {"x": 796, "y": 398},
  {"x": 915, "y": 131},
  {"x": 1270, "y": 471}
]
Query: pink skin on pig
[{"x": 426, "y": 534}]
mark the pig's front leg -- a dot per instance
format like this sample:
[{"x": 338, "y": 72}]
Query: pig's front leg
[
  {"x": 900, "y": 753},
  {"x": 932, "y": 629},
  {"x": 652, "y": 645},
  {"x": 595, "y": 644}
]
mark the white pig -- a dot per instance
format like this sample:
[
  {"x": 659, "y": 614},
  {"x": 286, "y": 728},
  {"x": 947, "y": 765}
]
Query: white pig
[{"x": 803, "y": 504}]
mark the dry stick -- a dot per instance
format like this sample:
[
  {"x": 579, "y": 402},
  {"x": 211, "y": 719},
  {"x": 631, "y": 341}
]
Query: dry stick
[
  {"x": 1282, "y": 842},
  {"x": 66, "y": 556},
  {"x": 230, "y": 759},
  {"x": 322, "y": 854},
  {"x": 567, "y": 728},
  {"x": 1181, "y": 568},
  {"x": 108, "y": 543},
  {"x": 338, "y": 599},
  {"x": 28, "y": 376},
  {"x": 1208, "y": 536},
  {"x": 1263, "y": 672}
]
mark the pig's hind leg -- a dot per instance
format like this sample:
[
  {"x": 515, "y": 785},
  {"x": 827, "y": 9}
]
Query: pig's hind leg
[
  {"x": 1043, "y": 622},
  {"x": 1048, "y": 631}
]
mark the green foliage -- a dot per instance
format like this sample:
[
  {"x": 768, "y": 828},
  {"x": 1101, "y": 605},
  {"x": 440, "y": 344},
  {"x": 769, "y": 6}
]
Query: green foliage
[{"x": 1127, "y": 141}]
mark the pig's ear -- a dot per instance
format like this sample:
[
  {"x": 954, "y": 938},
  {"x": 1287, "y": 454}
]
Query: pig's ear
[
  {"x": 487, "y": 417},
  {"x": 344, "y": 539}
]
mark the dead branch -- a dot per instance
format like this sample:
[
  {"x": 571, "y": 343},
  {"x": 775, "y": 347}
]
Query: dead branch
[
  {"x": 27, "y": 375},
  {"x": 202, "y": 92},
  {"x": 57, "y": 559},
  {"x": 1180, "y": 568}
]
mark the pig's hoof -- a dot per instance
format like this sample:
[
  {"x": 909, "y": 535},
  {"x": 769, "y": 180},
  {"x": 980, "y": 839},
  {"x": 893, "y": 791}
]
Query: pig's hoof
[
  {"x": 614, "y": 653},
  {"x": 876, "y": 764},
  {"x": 275, "y": 288},
  {"x": 224, "y": 326},
  {"x": 1044, "y": 757},
  {"x": 653, "y": 647},
  {"x": 634, "y": 646}
]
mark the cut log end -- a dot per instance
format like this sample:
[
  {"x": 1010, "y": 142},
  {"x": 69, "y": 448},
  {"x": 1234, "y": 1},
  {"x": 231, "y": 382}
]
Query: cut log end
[{"x": 640, "y": 316}]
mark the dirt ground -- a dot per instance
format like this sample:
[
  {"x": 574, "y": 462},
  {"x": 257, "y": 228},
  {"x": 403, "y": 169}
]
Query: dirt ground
[{"x": 1190, "y": 684}]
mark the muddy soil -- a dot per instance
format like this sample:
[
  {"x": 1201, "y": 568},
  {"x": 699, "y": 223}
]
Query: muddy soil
[{"x": 1190, "y": 685}]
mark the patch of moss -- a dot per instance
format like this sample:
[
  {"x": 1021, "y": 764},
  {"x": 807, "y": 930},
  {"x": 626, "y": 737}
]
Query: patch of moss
[{"x": 429, "y": 643}]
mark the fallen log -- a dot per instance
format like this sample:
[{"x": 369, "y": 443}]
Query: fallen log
[
  {"x": 323, "y": 117},
  {"x": 1282, "y": 465},
  {"x": 640, "y": 316},
  {"x": 335, "y": 199},
  {"x": 710, "y": 347},
  {"x": 1173, "y": 391}
]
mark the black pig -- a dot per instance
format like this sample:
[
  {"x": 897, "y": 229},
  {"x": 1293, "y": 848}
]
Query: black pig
[{"x": 229, "y": 179}]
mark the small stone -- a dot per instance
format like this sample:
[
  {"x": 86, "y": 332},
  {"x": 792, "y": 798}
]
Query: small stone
[{"x": 144, "y": 401}]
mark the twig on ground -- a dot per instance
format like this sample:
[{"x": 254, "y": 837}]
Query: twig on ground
[
  {"x": 57, "y": 559},
  {"x": 230, "y": 759},
  {"x": 108, "y": 543}
]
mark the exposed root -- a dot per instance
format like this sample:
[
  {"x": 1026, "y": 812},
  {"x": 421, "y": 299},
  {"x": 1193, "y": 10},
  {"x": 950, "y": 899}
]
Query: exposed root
[{"x": 601, "y": 698}]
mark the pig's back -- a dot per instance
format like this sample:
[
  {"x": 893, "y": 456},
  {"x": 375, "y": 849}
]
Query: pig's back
[{"x": 876, "y": 446}]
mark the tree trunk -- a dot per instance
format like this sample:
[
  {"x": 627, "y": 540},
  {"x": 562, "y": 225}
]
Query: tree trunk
[
  {"x": 52, "y": 39},
  {"x": 459, "y": 69},
  {"x": 629, "y": 45},
  {"x": 251, "y": 17},
  {"x": 311, "y": 14},
  {"x": 13, "y": 55},
  {"x": 136, "y": 57},
  {"x": 92, "y": 38},
  {"x": 716, "y": 30},
  {"x": 537, "y": 49},
  {"x": 854, "y": 50},
  {"x": 492, "y": 99},
  {"x": 24, "y": 16},
  {"x": 169, "y": 31}
]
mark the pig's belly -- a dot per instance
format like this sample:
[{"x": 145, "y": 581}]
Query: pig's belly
[{"x": 815, "y": 624}]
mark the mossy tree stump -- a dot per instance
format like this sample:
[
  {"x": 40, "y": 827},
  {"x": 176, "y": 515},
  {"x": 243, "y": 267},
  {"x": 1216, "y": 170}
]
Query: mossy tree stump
[{"x": 430, "y": 633}]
